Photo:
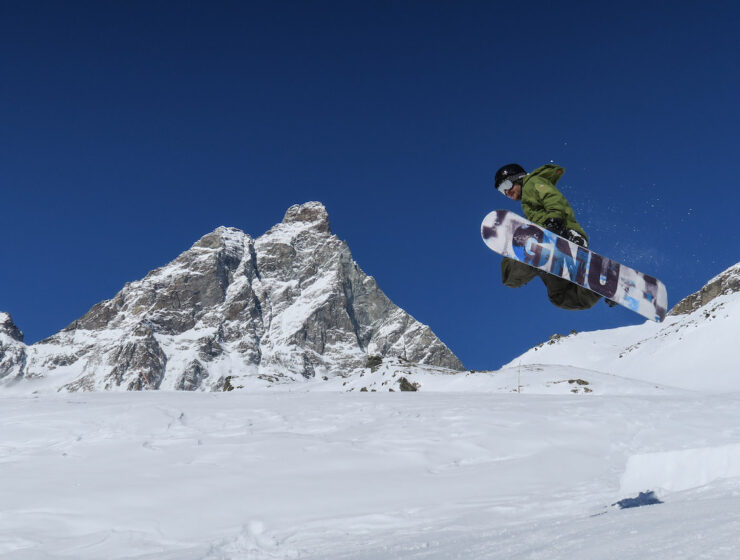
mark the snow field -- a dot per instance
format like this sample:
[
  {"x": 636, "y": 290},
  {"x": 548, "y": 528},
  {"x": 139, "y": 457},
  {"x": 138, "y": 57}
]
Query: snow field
[{"x": 367, "y": 475}]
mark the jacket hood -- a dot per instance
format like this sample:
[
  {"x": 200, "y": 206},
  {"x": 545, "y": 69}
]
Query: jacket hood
[{"x": 550, "y": 172}]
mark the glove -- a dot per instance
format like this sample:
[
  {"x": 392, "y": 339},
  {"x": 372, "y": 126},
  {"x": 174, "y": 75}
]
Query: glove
[
  {"x": 556, "y": 225},
  {"x": 577, "y": 238}
]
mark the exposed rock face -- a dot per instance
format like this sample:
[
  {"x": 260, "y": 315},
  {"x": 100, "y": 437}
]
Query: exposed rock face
[
  {"x": 726, "y": 283},
  {"x": 7, "y": 327},
  {"x": 12, "y": 349},
  {"x": 234, "y": 310}
]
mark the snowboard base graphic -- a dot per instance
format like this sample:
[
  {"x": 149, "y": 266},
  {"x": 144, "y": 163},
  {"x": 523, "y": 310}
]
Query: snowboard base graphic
[{"x": 515, "y": 237}]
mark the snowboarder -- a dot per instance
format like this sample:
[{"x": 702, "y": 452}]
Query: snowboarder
[{"x": 546, "y": 206}]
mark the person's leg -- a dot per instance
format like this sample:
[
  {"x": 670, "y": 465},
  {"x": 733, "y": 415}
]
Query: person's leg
[
  {"x": 566, "y": 295},
  {"x": 515, "y": 274}
]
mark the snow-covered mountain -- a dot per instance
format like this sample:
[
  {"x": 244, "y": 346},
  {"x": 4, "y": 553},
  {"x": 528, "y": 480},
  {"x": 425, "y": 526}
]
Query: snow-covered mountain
[
  {"x": 694, "y": 348},
  {"x": 231, "y": 312}
]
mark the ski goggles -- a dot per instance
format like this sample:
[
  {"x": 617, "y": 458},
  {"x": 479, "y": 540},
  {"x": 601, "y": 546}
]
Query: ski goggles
[{"x": 505, "y": 186}]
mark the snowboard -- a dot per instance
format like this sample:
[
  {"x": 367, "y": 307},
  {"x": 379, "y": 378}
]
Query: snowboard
[{"x": 515, "y": 237}]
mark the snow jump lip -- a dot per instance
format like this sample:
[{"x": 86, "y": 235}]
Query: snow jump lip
[{"x": 515, "y": 237}]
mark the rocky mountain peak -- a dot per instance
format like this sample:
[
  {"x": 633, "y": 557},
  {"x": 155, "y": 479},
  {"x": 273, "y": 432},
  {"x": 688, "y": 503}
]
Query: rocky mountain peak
[
  {"x": 312, "y": 214},
  {"x": 229, "y": 238},
  {"x": 727, "y": 282},
  {"x": 7, "y": 326},
  {"x": 235, "y": 311}
]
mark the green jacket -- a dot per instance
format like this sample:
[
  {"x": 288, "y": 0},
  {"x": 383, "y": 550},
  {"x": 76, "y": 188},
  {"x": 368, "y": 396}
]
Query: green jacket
[{"x": 541, "y": 200}]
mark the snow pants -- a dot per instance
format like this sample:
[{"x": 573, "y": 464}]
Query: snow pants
[{"x": 562, "y": 293}]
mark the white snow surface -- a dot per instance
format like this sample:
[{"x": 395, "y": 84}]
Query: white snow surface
[
  {"x": 522, "y": 463},
  {"x": 362, "y": 475}
]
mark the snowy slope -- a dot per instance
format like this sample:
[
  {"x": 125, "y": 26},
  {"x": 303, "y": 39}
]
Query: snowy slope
[
  {"x": 397, "y": 375},
  {"x": 391, "y": 458},
  {"x": 315, "y": 475},
  {"x": 695, "y": 350},
  {"x": 397, "y": 460}
]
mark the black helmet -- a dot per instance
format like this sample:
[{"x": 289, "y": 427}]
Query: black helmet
[{"x": 511, "y": 172}]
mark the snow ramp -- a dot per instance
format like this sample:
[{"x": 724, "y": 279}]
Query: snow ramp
[{"x": 674, "y": 471}]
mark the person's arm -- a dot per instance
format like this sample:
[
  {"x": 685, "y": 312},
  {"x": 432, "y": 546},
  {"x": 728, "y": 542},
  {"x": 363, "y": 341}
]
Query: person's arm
[
  {"x": 542, "y": 201},
  {"x": 548, "y": 207},
  {"x": 552, "y": 200}
]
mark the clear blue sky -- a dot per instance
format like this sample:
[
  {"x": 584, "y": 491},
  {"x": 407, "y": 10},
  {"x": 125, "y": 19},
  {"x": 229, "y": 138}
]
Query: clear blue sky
[{"x": 130, "y": 129}]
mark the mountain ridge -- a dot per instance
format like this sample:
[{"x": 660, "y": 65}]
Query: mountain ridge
[{"x": 727, "y": 282}]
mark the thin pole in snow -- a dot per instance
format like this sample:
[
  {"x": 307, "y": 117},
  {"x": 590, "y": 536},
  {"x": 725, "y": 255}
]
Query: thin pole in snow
[{"x": 519, "y": 378}]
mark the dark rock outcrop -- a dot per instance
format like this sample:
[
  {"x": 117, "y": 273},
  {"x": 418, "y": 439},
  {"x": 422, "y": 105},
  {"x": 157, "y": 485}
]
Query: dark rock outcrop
[{"x": 725, "y": 283}]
